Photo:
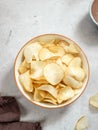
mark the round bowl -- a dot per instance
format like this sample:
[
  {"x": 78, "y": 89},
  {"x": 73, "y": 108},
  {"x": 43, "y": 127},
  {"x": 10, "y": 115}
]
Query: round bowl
[
  {"x": 94, "y": 11},
  {"x": 47, "y": 37}
]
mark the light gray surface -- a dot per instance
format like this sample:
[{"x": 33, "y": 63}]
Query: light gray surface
[{"x": 20, "y": 20}]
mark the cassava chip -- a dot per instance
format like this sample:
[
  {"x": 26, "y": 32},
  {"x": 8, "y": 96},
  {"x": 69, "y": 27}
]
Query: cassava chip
[
  {"x": 53, "y": 73},
  {"x": 51, "y": 60},
  {"x": 50, "y": 101},
  {"x": 37, "y": 96},
  {"x": 57, "y": 50},
  {"x": 76, "y": 62},
  {"x": 45, "y": 54},
  {"x": 67, "y": 58},
  {"x": 41, "y": 81},
  {"x": 63, "y": 43},
  {"x": 37, "y": 69},
  {"x": 70, "y": 81},
  {"x": 31, "y": 51},
  {"x": 72, "y": 49},
  {"x": 59, "y": 62},
  {"x": 49, "y": 98},
  {"x": 60, "y": 85},
  {"x": 65, "y": 94},
  {"x": 69, "y": 48},
  {"x": 94, "y": 100},
  {"x": 64, "y": 67},
  {"x": 23, "y": 67},
  {"x": 36, "y": 85},
  {"x": 49, "y": 43},
  {"x": 26, "y": 81},
  {"x": 82, "y": 123},
  {"x": 42, "y": 93},
  {"x": 27, "y": 65},
  {"x": 50, "y": 89},
  {"x": 76, "y": 72}
]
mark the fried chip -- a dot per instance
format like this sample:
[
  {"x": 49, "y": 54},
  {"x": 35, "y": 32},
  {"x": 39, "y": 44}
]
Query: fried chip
[
  {"x": 70, "y": 81},
  {"x": 61, "y": 85},
  {"x": 37, "y": 68},
  {"x": 69, "y": 48},
  {"x": 31, "y": 51},
  {"x": 57, "y": 50},
  {"x": 51, "y": 60},
  {"x": 50, "y": 101},
  {"x": 42, "y": 93},
  {"x": 82, "y": 123},
  {"x": 37, "y": 96},
  {"x": 23, "y": 67},
  {"x": 49, "y": 43},
  {"x": 76, "y": 62},
  {"x": 94, "y": 100},
  {"x": 63, "y": 43},
  {"x": 67, "y": 58},
  {"x": 59, "y": 62},
  {"x": 64, "y": 46},
  {"x": 41, "y": 81},
  {"x": 49, "y": 98},
  {"x": 36, "y": 85},
  {"x": 76, "y": 72},
  {"x": 49, "y": 88},
  {"x": 26, "y": 81},
  {"x": 53, "y": 73},
  {"x": 27, "y": 65},
  {"x": 72, "y": 49},
  {"x": 45, "y": 54},
  {"x": 65, "y": 94}
]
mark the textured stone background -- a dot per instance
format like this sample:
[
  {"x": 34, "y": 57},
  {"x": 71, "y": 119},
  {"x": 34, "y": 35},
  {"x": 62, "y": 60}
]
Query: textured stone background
[{"x": 20, "y": 20}]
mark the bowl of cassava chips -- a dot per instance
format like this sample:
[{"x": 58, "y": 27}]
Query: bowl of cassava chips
[{"x": 51, "y": 71}]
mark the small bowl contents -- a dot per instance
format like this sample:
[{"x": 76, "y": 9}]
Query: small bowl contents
[
  {"x": 51, "y": 71},
  {"x": 94, "y": 11}
]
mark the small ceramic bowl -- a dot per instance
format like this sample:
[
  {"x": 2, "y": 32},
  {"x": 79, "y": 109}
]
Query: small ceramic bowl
[
  {"x": 94, "y": 11},
  {"x": 47, "y": 37}
]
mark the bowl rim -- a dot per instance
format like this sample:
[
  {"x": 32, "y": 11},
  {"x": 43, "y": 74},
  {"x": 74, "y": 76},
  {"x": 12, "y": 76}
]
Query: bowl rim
[
  {"x": 90, "y": 12},
  {"x": 49, "y": 107}
]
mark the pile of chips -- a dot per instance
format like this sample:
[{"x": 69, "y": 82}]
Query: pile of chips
[{"x": 52, "y": 71}]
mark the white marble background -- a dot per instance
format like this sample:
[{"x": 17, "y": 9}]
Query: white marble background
[{"x": 20, "y": 20}]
